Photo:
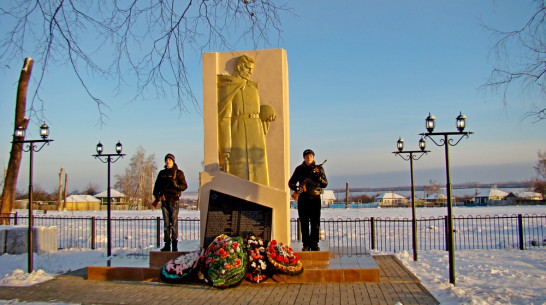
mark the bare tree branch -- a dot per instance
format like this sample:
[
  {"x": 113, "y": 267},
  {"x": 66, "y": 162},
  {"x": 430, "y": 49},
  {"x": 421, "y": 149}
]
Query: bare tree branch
[
  {"x": 521, "y": 61},
  {"x": 142, "y": 46}
]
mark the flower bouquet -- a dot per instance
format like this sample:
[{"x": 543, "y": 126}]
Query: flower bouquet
[
  {"x": 257, "y": 262},
  {"x": 176, "y": 270},
  {"x": 224, "y": 262},
  {"x": 283, "y": 259}
]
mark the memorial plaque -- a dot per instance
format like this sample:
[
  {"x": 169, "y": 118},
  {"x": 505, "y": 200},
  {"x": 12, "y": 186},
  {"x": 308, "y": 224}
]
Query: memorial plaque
[{"x": 236, "y": 217}]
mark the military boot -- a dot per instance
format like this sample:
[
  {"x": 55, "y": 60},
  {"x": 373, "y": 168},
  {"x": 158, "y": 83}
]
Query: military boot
[
  {"x": 175, "y": 246},
  {"x": 167, "y": 246}
]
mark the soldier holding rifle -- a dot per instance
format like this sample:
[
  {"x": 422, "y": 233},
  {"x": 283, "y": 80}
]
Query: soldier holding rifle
[{"x": 307, "y": 182}]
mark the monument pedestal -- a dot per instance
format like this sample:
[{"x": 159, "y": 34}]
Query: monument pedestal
[
  {"x": 267, "y": 86},
  {"x": 318, "y": 267}
]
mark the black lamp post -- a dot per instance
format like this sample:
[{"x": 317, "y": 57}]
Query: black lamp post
[
  {"x": 412, "y": 155},
  {"x": 109, "y": 158},
  {"x": 446, "y": 142},
  {"x": 32, "y": 146}
]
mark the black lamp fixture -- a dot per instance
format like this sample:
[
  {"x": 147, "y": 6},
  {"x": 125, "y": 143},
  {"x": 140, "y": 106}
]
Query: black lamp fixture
[
  {"x": 99, "y": 148},
  {"x": 411, "y": 155},
  {"x": 19, "y": 133},
  {"x": 446, "y": 142},
  {"x": 422, "y": 144},
  {"x": 44, "y": 131},
  {"x": 31, "y": 147},
  {"x": 119, "y": 147},
  {"x": 400, "y": 144},
  {"x": 429, "y": 122},
  {"x": 109, "y": 158},
  {"x": 461, "y": 122}
]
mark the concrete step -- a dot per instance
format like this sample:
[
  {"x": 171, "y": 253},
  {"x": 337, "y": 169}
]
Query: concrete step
[
  {"x": 342, "y": 269},
  {"x": 308, "y": 258},
  {"x": 319, "y": 267}
]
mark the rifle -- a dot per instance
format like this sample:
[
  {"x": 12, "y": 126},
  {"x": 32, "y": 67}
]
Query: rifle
[
  {"x": 162, "y": 198},
  {"x": 303, "y": 189}
]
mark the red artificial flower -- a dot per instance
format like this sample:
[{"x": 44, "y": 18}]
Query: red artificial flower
[{"x": 273, "y": 255}]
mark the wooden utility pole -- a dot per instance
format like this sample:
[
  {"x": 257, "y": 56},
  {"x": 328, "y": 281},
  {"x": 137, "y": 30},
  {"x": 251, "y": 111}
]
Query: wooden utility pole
[
  {"x": 65, "y": 188},
  {"x": 60, "y": 193},
  {"x": 10, "y": 183},
  {"x": 347, "y": 194}
]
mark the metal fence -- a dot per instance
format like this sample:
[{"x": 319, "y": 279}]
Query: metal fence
[
  {"x": 345, "y": 236},
  {"x": 357, "y": 236},
  {"x": 91, "y": 232}
]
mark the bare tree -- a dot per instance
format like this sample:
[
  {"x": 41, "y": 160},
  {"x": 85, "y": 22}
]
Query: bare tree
[
  {"x": 147, "y": 39},
  {"x": 433, "y": 188},
  {"x": 539, "y": 183},
  {"x": 521, "y": 61},
  {"x": 10, "y": 180},
  {"x": 91, "y": 189},
  {"x": 137, "y": 181}
]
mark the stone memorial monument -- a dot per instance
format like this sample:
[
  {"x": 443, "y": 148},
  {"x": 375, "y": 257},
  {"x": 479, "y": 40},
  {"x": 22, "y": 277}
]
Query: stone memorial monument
[{"x": 244, "y": 185}]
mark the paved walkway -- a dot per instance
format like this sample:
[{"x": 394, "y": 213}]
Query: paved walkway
[{"x": 397, "y": 285}]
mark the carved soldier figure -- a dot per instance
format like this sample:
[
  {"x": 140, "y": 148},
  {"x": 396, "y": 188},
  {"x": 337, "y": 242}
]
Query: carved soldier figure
[{"x": 242, "y": 124}]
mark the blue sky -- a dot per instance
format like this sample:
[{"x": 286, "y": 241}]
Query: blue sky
[{"x": 361, "y": 73}]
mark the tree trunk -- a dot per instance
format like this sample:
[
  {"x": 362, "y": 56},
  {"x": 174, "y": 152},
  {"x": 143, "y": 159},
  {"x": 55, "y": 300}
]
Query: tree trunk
[
  {"x": 65, "y": 188},
  {"x": 10, "y": 183},
  {"x": 60, "y": 193}
]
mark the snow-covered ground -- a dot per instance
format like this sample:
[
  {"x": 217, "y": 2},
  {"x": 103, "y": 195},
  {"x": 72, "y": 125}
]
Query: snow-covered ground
[{"x": 507, "y": 276}]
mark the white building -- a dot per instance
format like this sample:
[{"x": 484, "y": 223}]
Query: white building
[
  {"x": 391, "y": 199},
  {"x": 82, "y": 203},
  {"x": 115, "y": 196},
  {"x": 327, "y": 197},
  {"x": 493, "y": 194}
]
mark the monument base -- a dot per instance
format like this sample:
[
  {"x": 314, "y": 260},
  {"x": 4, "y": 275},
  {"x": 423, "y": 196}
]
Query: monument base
[{"x": 318, "y": 267}]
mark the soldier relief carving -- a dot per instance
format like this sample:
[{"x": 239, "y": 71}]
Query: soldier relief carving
[{"x": 242, "y": 124}]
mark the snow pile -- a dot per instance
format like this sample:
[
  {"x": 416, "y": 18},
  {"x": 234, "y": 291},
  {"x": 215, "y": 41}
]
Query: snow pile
[{"x": 19, "y": 278}]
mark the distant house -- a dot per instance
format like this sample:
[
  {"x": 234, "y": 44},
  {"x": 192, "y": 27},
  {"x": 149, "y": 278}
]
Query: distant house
[
  {"x": 436, "y": 199},
  {"x": 523, "y": 197},
  {"x": 116, "y": 197},
  {"x": 327, "y": 197},
  {"x": 490, "y": 196},
  {"x": 391, "y": 199},
  {"x": 529, "y": 196},
  {"x": 82, "y": 203}
]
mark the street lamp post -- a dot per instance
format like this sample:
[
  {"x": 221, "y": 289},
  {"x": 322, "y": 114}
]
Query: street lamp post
[
  {"x": 108, "y": 159},
  {"x": 412, "y": 155},
  {"x": 32, "y": 146},
  {"x": 446, "y": 142}
]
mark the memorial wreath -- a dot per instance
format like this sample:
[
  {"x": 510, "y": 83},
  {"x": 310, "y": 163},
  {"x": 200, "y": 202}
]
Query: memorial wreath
[
  {"x": 283, "y": 259},
  {"x": 257, "y": 262},
  {"x": 178, "y": 269},
  {"x": 224, "y": 261}
]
